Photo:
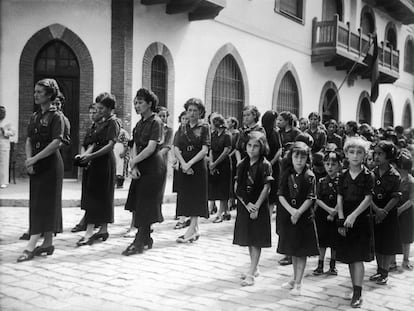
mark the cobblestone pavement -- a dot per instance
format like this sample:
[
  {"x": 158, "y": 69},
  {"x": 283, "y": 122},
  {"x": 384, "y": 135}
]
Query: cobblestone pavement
[{"x": 203, "y": 275}]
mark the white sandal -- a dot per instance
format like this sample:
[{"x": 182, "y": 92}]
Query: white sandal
[{"x": 248, "y": 281}]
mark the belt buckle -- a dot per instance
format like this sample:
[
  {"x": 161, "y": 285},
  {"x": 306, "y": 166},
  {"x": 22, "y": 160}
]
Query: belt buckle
[
  {"x": 190, "y": 148},
  {"x": 293, "y": 201},
  {"x": 379, "y": 196}
]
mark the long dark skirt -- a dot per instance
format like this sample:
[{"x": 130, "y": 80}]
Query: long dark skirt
[
  {"x": 98, "y": 193},
  {"x": 146, "y": 193},
  {"x": 46, "y": 196},
  {"x": 387, "y": 235},
  {"x": 407, "y": 226},
  {"x": 219, "y": 184},
  {"x": 192, "y": 194}
]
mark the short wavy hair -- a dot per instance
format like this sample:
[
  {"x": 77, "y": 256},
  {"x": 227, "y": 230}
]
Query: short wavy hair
[
  {"x": 51, "y": 87},
  {"x": 254, "y": 111},
  {"x": 149, "y": 97},
  {"x": 261, "y": 138},
  {"x": 358, "y": 142},
  {"x": 197, "y": 102},
  {"x": 106, "y": 99}
]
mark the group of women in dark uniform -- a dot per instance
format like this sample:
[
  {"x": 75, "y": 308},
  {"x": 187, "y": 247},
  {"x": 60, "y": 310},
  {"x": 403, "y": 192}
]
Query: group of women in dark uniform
[{"x": 272, "y": 159}]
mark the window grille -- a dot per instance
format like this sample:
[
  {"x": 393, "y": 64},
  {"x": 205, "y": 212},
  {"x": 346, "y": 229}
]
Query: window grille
[
  {"x": 288, "y": 95},
  {"x": 159, "y": 82},
  {"x": 228, "y": 90},
  {"x": 365, "y": 112},
  {"x": 409, "y": 56},
  {"x": 407, "y": 116},
  {"x": 330, "y": 106},
  {"x": 292, "y": 8}
]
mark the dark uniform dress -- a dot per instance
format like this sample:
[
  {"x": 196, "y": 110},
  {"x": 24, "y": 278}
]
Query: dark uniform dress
[
  {"x": 46, "y": 182},
  {"x": 219, "y": 181},
  {"x": 298, "y": 239},
  {"x": 357, "y": 245},
  {"x": 275, "y": 143},
  {"x": 88, "y": 140},
  {"x": 244, "y": 137},
  {"x": 406, "y": 217},
  {"x": 326, "y": 191},
  {"x": 146, "y": 193},
  {"x": 233, "y": 160},
  {"x": 387, "y": 232},
  {"x": 192, "y": 196},
  {"x": 288, "y": 138},
  {"x": 250, "y": 182},
  {"x": 319, "y": 139},
  {"x": 334, "y": 139},
  {"x": 98, "y": 193}
]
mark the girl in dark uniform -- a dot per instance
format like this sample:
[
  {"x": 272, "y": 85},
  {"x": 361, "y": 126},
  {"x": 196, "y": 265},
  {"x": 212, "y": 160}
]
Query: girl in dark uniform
[
  {"x": 275, "y": 151},
  {"x": 147, "y": 187},
  {"x": 386, "y": 196},
  {"x": 252, "y": 227},
  {"x": 233, "y": 125},
  {"x": 98, "y": 194},
  {"x": 297, "y": 236},
  {"x": 219, "y": 167},
  {"x": 354, "y": 198},
  {"x": 191, "y": 148},
  {"x": 251, "y": 116},
  {"x": 45, "y": 167},
  {"x": 325, "y": 213}
]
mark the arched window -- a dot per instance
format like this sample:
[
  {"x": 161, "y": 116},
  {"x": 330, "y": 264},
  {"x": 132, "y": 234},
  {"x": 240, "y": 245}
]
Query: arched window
[
  {"x": 159, "y": 74},
  {"x": 364, "y": 115},
  {"x": 330, "y": 8},
  {"x": 391, "y": 35},
  {"x": 56, "y": 60},
  {"x": 406, "y": 120},
  {"x": 288, "y": 95},
  {"x": 228, "y": 90},
  {"x": 367, "y": 20},
  {"x": 388, "y": 114},
  {"x": 409, "y": 55}
]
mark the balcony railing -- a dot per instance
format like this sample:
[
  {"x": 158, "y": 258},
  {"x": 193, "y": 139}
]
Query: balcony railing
[{"x": 334, "y": 43}]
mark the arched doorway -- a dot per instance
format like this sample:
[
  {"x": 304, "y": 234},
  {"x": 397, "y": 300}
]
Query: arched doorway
[
  {"x": 329, "y": 102},
  {"x": 364, "y": 115},
  {"x": 57, "y": 61},
  {"x": 288, "y": 95},
  {"x": 406, "y": 120},
  {"x": 330, "y": 8},
  {"x": 159, "y": 80},
  {"x": 367, "y": 20},
  {"x": 228, "y": 91},
  {"x": 391, "y": 35},
  {"x": 388, "y": 114}
]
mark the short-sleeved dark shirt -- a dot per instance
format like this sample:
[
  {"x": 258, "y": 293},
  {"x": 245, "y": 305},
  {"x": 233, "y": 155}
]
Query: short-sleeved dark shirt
[
  {"x": 190, "y": 140},
  {"x": 106, "y": 130},
  {"x": 44, "y": 128},
  {"x": 334, "y": 139},
  {"x": 354, "y": 191},
  {"x": 288, "y": 137},
  {"x": 319, "y": 139},
  {"x": 327, "y": 189},
  {"x": 296, "y": 188},
  {"x": 386, "y": 187},
  {"x": 219, "y": 142},
  {"x": 146, "y": 130}
]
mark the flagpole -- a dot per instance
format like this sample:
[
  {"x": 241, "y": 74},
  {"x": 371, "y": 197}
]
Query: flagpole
[{"x": 348, "y": 74}]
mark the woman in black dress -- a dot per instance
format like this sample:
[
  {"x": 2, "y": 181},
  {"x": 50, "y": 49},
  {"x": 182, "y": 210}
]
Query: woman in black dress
[
  {"x": 45, "y": 167},
  {"x": 148, "y": 170},
  {"x": 191, "y": 148},
  {"x": 275, "y": 151},
  {"x": 98, "y": 193},
  {"x": 219, "y": 167}
]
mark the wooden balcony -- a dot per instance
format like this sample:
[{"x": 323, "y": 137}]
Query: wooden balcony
[
  {"x": 401, "y": 10},
  {"x": 336, "y": 45},
  {"x": 196, "y": 9}
]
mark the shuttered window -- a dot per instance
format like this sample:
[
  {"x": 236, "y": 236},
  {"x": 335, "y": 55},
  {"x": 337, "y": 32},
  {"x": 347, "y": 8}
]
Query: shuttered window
[
  {"x": 159, "y": 79},
  {"x": 409, "y": 56},
  {"x": 228, "y": 91},
  {"x": 365, "y": 112},
  {"x": 291, "y": 8},
  {"x": 388, "y": 115},
  {"x": 288, "y": 95},
  {"x": 407, "y": 116}
]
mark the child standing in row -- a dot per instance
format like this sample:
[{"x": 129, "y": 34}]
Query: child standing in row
[
  {"x": 252, "y": 227},
  {"x": 386, "y": 195},
  {"x": 325, "y": 213},
  {"x": 354, "y": 197},
  {"x": 297, "y": 236}
]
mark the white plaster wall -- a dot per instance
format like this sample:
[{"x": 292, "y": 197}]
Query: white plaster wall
[
  {"x": 21, "y": 19},
  {"x": 264, "y": 52}
]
